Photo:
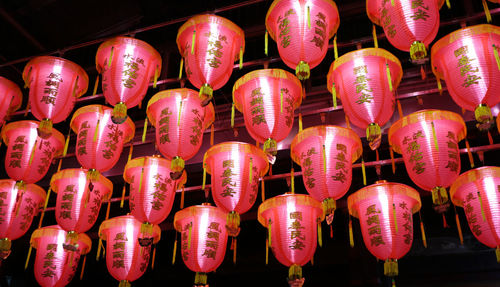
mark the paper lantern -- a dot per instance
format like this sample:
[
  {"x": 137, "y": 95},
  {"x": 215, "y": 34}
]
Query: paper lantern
[
  {"x": 366, "y": 80},
  {"x": 385, "y": 211},
  {"x": 128, "y": 247},
  {"x": 54, "y": 84},
  {"x": 468, "y": 61},
  {"x": 11, "y": 99},
  {"x": 99, "y": 142},
  {"x": 428, "y": 141},
  {"x": 18, "y": 206},
  {"x": 209, "y": 45},
  {"x": 267, "y": 98},
  {"x": 292, "y": 221},
  {"x": 127, "y": 66},
  {"x": 29, "y": 156},
  {"x": 77, "y": 206},
  {"x": 302, "y": 31},
  {"x": 235, "y": 168},
  {"x": 326, "y": 154},
  {"x": 180, "y": 120},
  {"x": 477, "y": 191},
  {"x": 408, "y": 25},
  {"x": 203, "y": 239},
  {"x": 56, "y": 263},
  {"x": 152, "y": 191}
]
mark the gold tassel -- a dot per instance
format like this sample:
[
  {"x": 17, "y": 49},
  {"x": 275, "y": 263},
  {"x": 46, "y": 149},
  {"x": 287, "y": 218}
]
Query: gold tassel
[
  {"x": 28, "y": 107},
  {"x": 182, "y": 197},
  {"x": 393, "y": 163},
  {"x": 266, "y": 36},
  {"x": 235, "y": 244},
  {"x": 140, "y": 180},
  {"x": 400, "y": 109},
  {"x": 281, "y": 101},
  {"x": 28, "y": 258},
  {"x": 300, "y": 122},
  {"x": 471, "y": 159},
  {"x": 334, "y": 96},
  {"x": 32, "y": 156},
  {"x": 448, "y": 4},
  {"x": 175, "y": 250},
  {"x": 111, "y": 57},
  {"x": 495, "y": 52},
  {"x": 497, "y": 251},
  {"x": 145, "y": 130},
  {"x": 262, "y": 190},
  {"x": 269, "y": 232},
  {"x": 99, "y": 247},
  {"x": 241, "y": 58},
  {"x": 392, "y": 3},
  {"x": 423, "y": 74},
  {"x": 181, "y": 67},
  {"x": 459, "y": 227},
  {"x": 422, "y": 230},
  {"x": 180, "y": 113},
  {"x": 363, "y": 170},
  {"x": 212, "y": 132},
  {"x": 232, "y": 116},
  {"x": 96, "y": 131},
  {"x": 486, "y": 11},
  {"x": 435, "y": 137},
  {"x": 189, "y": 236},
  {"x": 155, "y": 79},
  {"x": 193, "y": 41},
  {"x": 483, "y": 214},
  {"x": 267, "y": 251},
  {"x": 308, "y": 17},
  {"x": 490, "y": 139},
  {"x": 44, "y": 207},
  {"x": 66, "y": 144},
  {"x": 348, "y": 124},
  {"x": 395, "y": 217},
  {"x": 83, "y": 266},
  {"x": 204, "y": 178},
  {"x": 108, "y": 208},
  {"x": 335, "y": 50},
  {"x": 440, "y": 87},
  {"x": 320, "y": 234},
  {"x": 292, "y": 181},
  {"x": 374, "y": 33},
  {"x": 130, "y": 151},
  {"x": 153, "y": 259},
  {"x": 59, "y": 165},
  {"x": 324, "y": 159},
  {"x": 96, "y": 84},
  {"x": 123, "y": 195},
  {"x": 389, "y": 78},
  {"x": 351, "y": 235},
  {"x": 250, "y": 172}
]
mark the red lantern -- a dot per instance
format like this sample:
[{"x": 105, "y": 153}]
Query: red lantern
[
  {"x": 18, "y": 205},
  {"x": 428, "y": 141},
  {"x": 55, "y": 263},
  {"x": 366, "y": 80},
  {"x": 302, "y": 30},
  {"x": 99, "y": 143},
  {"x": 180, "y": 120},
  {"x": 385, "y": 211},
  {"x": 11, "y": 98},
  {"x": 267, "y": 99},
  {"x": 203, "y": 240},
  {"x": 128, "y": 247},
  {"x": 468, "y": 61},
  {"x": 477, "y": 192},
  {"x": 218, "y": 42},
  {"x": 29, "y": 156},
  {"x": 326, "y": 154},
  {"x": 127, "y": 66},
  {"x": 235, "y": 168},
  {"x": 54, "y": 84},
  {"x": 152, "y": 191},
  {"x": 77, "y": 206}
]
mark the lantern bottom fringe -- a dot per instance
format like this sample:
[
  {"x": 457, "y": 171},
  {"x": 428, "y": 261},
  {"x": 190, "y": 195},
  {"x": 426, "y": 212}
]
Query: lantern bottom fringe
[
  {"x": 93, "y": 175},
  {"x": 200, "y": 279},
  {"x": 124, "y": 283},
  {"x": 271, "y": 147},
  {"x": 44, "y": 129},
  {"x": 483, "y": 117},
  {"x": 373, "y": 135},
  {"x": 177, "y": 166},
  {"x": 497, "y": 252},
  {"x": 5, "y": 245},
  {"x": 303, "y": 71},
  {"x": 206, "y": 94},
  {"x": 233, "y": 223},
  {"x": 329, "y": 206},
  {"x": 418, "y": 51},
  {"x": 294, "y": 272},
  {"x": 391, "y": 268},
  {"x": 439, "y": 195},
  {"x": 119, "y": 114}
]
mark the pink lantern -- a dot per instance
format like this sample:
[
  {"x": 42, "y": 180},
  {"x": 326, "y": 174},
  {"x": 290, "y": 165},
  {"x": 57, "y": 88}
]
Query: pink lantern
[
  {"x": 466, "y": 59},
  {"x": 326, "y": 154},
  {"x": 292, "y": 221},
  {"x": 54, "y": 84},
  {"x": 29, "y": 156},
  {"x": 127, "y": 66},
  {"x": 267, "y": 98},
  {"x": 302, "y": 31},
  {"x": 428, "y": 141},
  {"x": 128, "y": 247},
  {"x": 180, "y": 120},
  {"x": 11, "y": 99},
  {"x": 235, "y": 168},
  {"x": 366, "y": 80},
  {"x": 203, "y": 239},
  {"x": 77, "y": 206},
  {"x": 477, "y": 191},
  {"x": 18, "y": 206},
  {"x": 385, "y": 211},
  {"x": 99, "y": 143},
  {"x": 209, "y": 45},
  {"x": 55, "y": 263},
  {"x": 152, "y": 191}
]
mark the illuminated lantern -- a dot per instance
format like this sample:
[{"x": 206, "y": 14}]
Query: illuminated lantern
[
  {"x": 292, "y": 221},
  {"x": 428, "y": 141},
  {"x": 127, "y": 66},
  {"x": 477, "y": 191},
  {"x": 326, "y": 154},
  {"x": 366, "y": 80},
  {"x": 152, "y": 191},
  {"x": 180, "y": 120},
  {"x": 218, "y": 42},
  {"x": 408, "y": 25},
  {"x": 267, "y": 98},
  {"x": 302, "y": 30},
  {"x": 466, "y": 59},
  {"x": 235, "y": 168},
  {"x": 128, "y": 247},
  {"x": 99, "y": 142},
  {"x": 54, "y": 84},
  {"x": 18, "y": 206},
  {"x": 385, "y": 211},
  {"x": 203, "y": 240},
  {"x": 29, "y": 156},
  {"x": 77, "y": 207},
  {"x": 55, "y": 263},
  {"x": 11, "y": 98}
]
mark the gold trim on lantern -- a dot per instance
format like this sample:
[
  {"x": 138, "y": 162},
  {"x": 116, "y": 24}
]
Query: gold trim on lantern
[
  {"x": 320, "y": 131},
  {"x": 124, "y": 220},
  {"x": 160, "y": 161},
  {"x": 192, "y": 211},
  {"x": 16, "y": 103},
  {"x": 426, "y": 115},
  {"x": 31, "y": 187},
  {"x": 74, "y": 172},
  {"x": 470, "y": 177},
  {"x": 55, "y": 230}
]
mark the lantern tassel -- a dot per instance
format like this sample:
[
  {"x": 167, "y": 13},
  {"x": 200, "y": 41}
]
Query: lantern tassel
[
  {"x": 434, "y": 137},
  {"x": 59, "y": 165},
  {"x": 44, "y": 207},
  {"x": 32, "y": 156},
  {"x": 269, "y": 232},
  {"x": 393, "y": 163},
  {"x": 448, "y": 4},
  {"x": 440, "y": 87},
  {"x": 334, "y": 96},
  {"x": 232, "y": 116},
  {"x": 347, "y": 122},
  {"x": 110, "y": 59},
  {"x": 335, "y": 49},
  {"x": 235, "y": 244},
  {"x": 422, "y": 230},
  {"x": 294, "y": 272},
  {"x": 363, "y": 170},
  {"x": 389, "y": 78},
  {"x": 83, "y": 266},
  {"x": 331, "y": 231},
  {"x": 391, "y": 268},
  {"x": 140, "y": 180},
  {"x": 374, "y": 34},
  {"x": 483, "y": 214},
  {"x": 262, "y": 189},
  {"x": 153, "y": 259},
  {"x": 320, "y": 234},
  {"x": 123, "y": 195},
  {"x": 486, "y": 11},
  {"x": 28, "y": 107},
  {"x": 395, "y": 217},
  {"x": 145, "y": 130},
  {"x": 180, "y": 114},
  {"x": 459, "y": 226},
  {"x": 96, "y": 131},
  {"x": 300, "y": 122},
  {"x": 155, "y": 79},
  {"x": 324, "y": 159},
  {"x": 471, "y": 159},
  {"x": 212, "y": 133},
  {"x": 250, "y": 171},
  {"x": 130, "y": 151},
  {"x": 400, "y": 109},
  {"x": 193, "y": 42},
  {"x": 266, "y": 41},
  {"x": 490, "y": 138},
  {"x": 189, "y": 235},
  {"x": 445, "y": 223},
  {"x": 99, "y": 246},
  {"x": 66, "y": 144},
  {"x": 182, "y": 197},
  {"x": 181, "y": 67},
  {"x": 108, "y": 209},
  {"x": 28, "y": 257},
  {"x": 351, "y": 235},
  {"x": 267, "y": 251},
  {"x": 204, "y": 178},
  {"x": 495, "y": 51},
  {"x": 96, "y": 84},
  {"x": 392, "y": 3},
  {"x": 241, "y": 58},
  {"x": 175, "y": 250},
  {"x": 281, "y": 101},
  {"x": 292, "y": 181}
]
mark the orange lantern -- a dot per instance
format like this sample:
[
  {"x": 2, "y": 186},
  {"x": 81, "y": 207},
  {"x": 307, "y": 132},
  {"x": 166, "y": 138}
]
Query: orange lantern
[{"x": 11, "y": 99}]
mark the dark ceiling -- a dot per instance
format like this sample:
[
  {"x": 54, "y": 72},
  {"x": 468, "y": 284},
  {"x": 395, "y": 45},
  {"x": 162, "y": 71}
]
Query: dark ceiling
[{"x": 74, "y": 29}]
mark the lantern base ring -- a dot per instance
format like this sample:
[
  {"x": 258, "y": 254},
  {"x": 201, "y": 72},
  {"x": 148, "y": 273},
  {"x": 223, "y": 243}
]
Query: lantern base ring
[
  {"x": 5, "y": 245},
  {"x": 177, "y": 166},
  {"x": 119, "y": 114},
  {"x": 200, "y": 279},
  {"x": 303, "y": 71},
  {"x": 391, "y": 268},
  {"x": 439, "y": 196},
  {"x": 329, "y": 207},
  {"x": 418, "y": 52},
  {"x": 206, "y": 94},
  {"x": 44, "y": 129},
  {"x": 233, "y": 223},
  {"x": 483, "y": 117},
  {"x": 124, "y": 283},
  {"x": 294, "y": 273},
  {"x": 373, "y": 135}
]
